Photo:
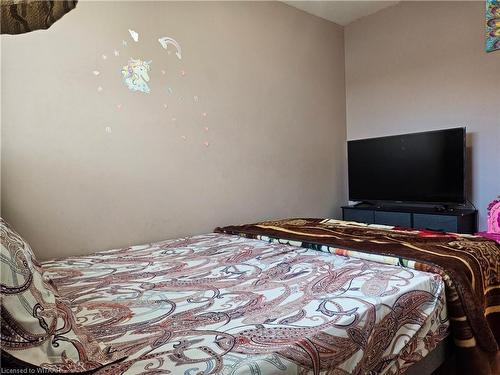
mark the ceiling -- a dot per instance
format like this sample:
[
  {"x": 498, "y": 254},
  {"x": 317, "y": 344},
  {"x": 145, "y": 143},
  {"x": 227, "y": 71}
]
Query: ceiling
[{"x": 341, "y": 12}]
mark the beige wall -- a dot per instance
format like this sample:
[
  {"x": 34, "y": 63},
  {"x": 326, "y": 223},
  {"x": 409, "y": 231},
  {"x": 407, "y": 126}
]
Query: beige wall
[
  {"x": 421, "y": 66},
  {"x": 270, "y": 77}
]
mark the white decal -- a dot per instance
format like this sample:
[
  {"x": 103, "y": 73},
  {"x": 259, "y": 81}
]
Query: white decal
[
  {"x": 134, "y": 35},
  {"x": 165, "y": 41}
]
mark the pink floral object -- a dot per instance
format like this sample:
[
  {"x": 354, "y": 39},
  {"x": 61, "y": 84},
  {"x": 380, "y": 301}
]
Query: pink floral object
[{"x": 494, "y": 217}]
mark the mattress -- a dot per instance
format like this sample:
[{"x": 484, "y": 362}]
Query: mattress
[{"x": 225, "y": 304}]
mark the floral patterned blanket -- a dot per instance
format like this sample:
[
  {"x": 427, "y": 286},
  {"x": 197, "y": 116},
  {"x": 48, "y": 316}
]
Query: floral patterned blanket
[
  {"x": 469, "y": 266},
  {"x": 224, "y": 304}
]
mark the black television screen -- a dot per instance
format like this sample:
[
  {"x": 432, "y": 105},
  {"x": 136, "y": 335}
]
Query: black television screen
[{"x": 424, "y": 167}]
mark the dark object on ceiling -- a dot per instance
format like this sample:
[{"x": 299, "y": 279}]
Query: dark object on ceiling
[{"x": 23, "y": 16}]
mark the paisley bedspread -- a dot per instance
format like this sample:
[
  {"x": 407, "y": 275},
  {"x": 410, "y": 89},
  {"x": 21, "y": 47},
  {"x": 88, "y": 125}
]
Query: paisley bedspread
[
  {"x": 224, "y": 304},
  {"x": 469, "y": 266}
]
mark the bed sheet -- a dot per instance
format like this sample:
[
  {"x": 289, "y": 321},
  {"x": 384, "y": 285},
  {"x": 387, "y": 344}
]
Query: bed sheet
[{"x": 224, "y": 304}]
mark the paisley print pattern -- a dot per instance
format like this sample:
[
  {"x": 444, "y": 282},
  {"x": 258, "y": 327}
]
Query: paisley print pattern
[
  {"x": 469, "y": 266},
  {"x": 38, "y": 326},
  {"x": 222, "y": 304}
]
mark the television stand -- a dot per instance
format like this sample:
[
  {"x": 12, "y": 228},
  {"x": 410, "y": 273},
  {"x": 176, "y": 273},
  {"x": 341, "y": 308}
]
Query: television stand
[{"x": 431, "y": 217}]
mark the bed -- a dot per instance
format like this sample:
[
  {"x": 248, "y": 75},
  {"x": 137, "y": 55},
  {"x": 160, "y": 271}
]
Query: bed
[{"x": 246, "y": 299}]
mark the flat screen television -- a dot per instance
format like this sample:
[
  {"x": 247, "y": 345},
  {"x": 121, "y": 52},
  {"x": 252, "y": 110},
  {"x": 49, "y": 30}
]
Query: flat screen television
[{"x": 426, "y": 167}]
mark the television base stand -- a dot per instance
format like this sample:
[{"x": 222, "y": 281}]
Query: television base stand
[
  {"x": 444, "y": 208},
  {"x": 364, "y": 203}
]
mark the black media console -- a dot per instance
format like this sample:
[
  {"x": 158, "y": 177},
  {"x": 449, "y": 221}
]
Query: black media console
[{"x": 457, "y": 220}]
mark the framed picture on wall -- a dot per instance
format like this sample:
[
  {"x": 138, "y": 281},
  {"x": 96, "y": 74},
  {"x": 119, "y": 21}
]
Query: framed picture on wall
[{"x": 492, "y": 25}]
